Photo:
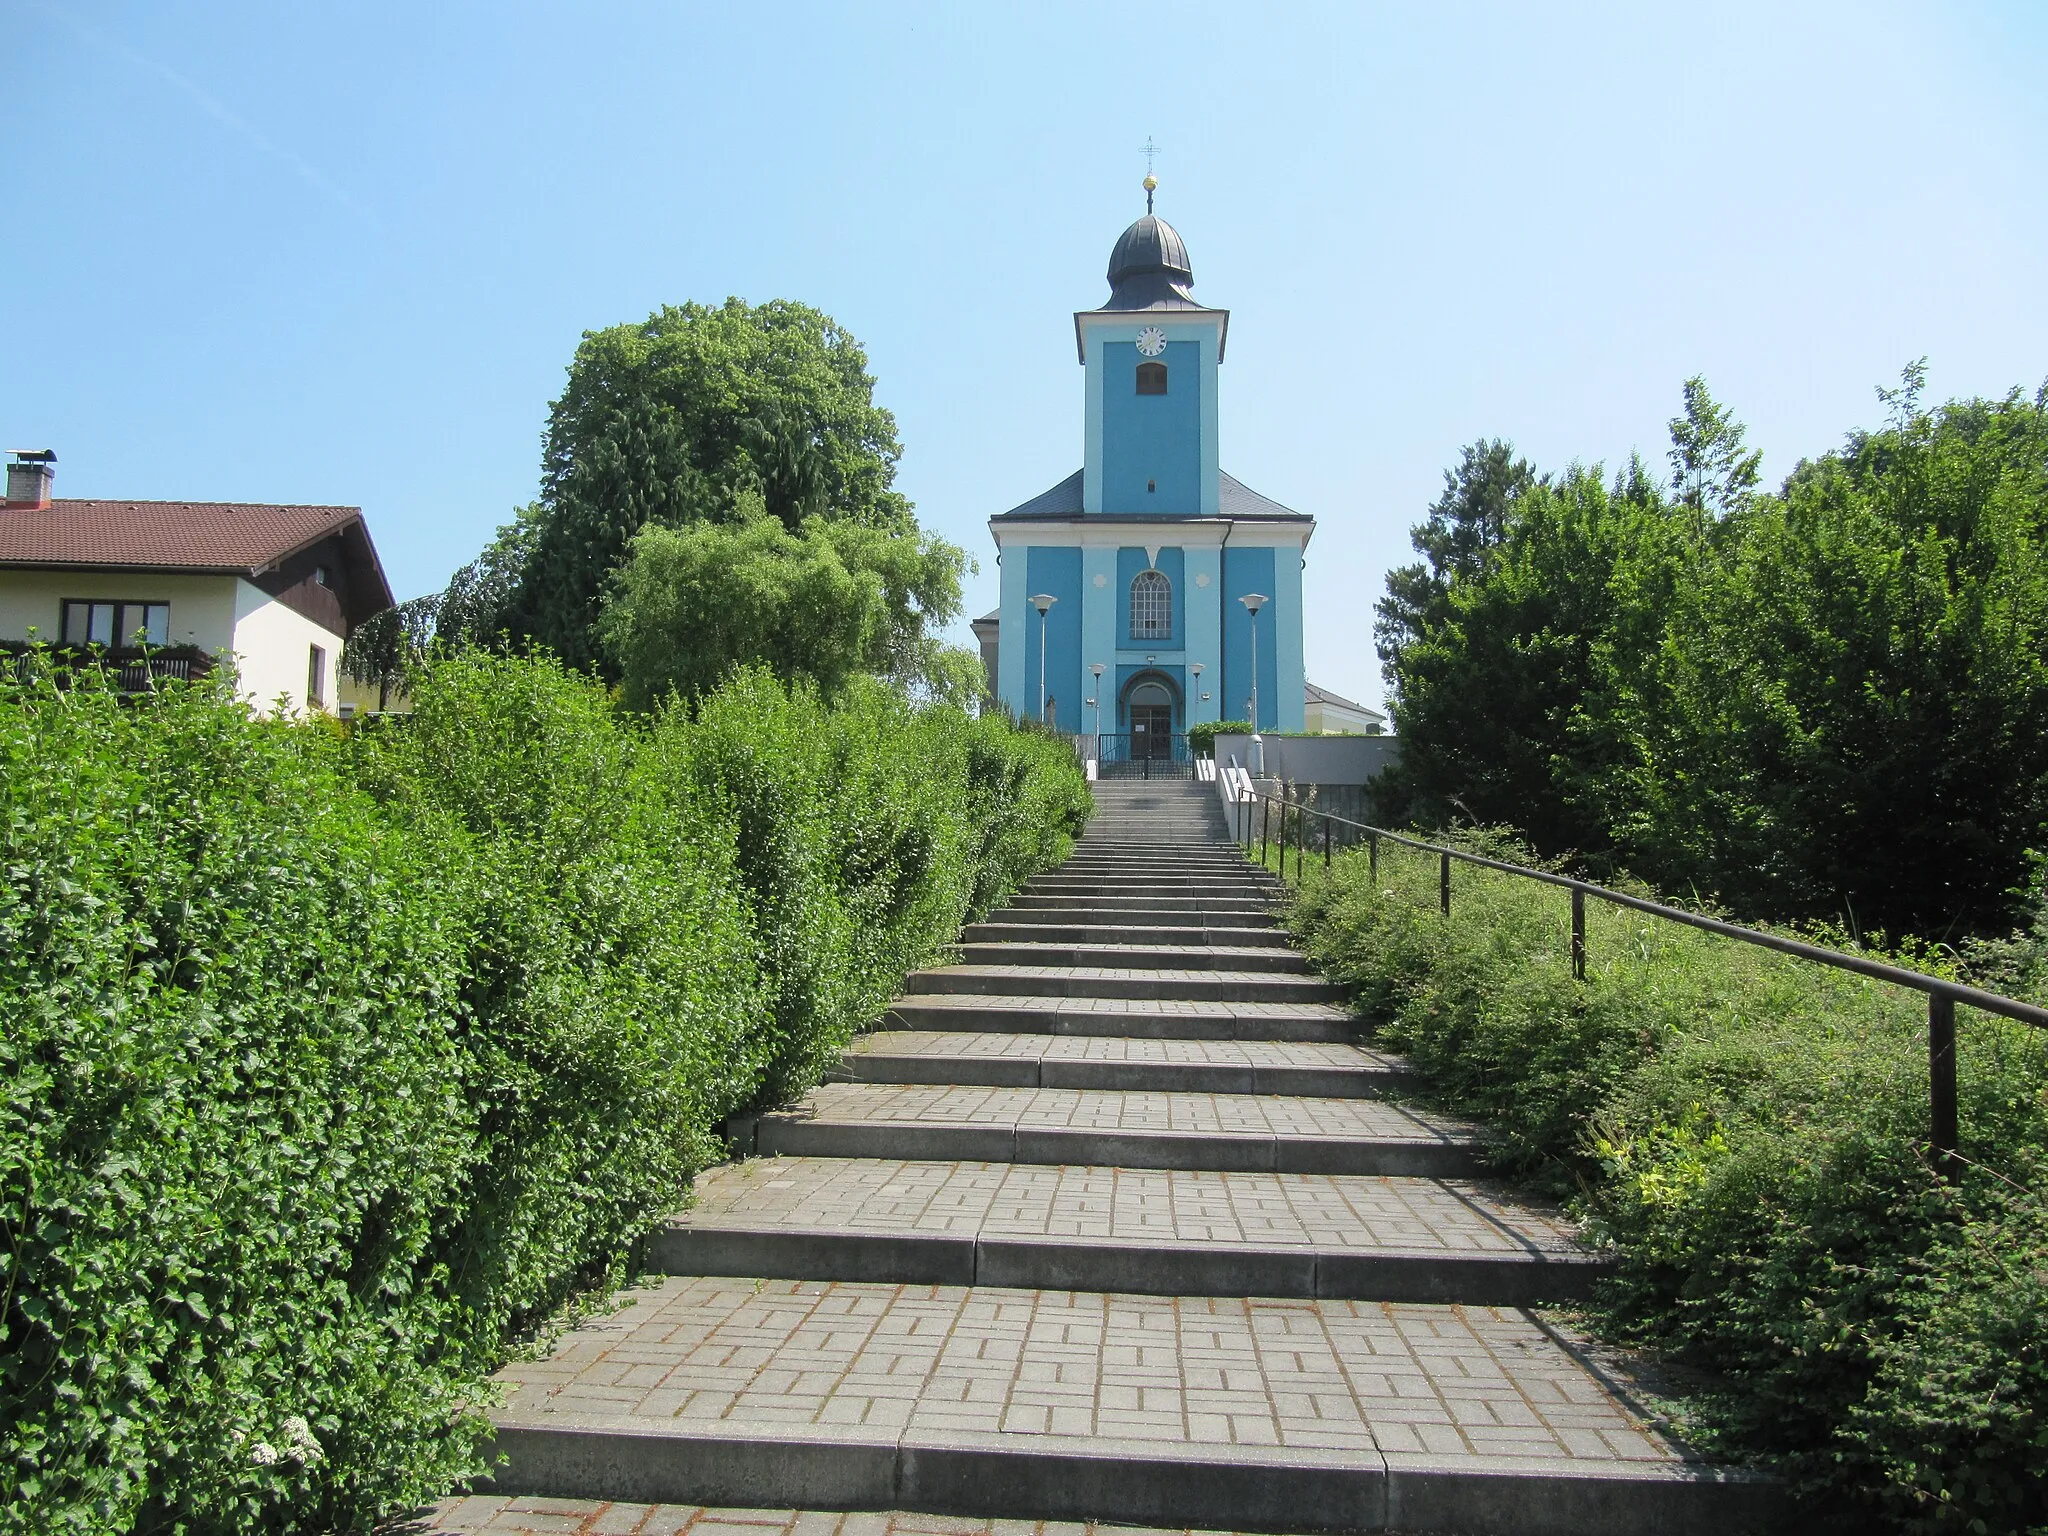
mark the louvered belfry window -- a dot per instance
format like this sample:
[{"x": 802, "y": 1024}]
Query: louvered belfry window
[{"x": 1151, "y": 606}]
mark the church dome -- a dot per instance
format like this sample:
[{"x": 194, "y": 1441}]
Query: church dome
[
  {"x": 1148, "y": 268},
  {"x": 1150, "y": 245}
]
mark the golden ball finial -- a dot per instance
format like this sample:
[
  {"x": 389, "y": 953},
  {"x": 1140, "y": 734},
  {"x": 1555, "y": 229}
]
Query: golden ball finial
[{"x": 1151, "y": 183}]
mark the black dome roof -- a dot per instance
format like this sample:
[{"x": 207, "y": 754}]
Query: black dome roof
[
  {"x": 1148, "y": 268},
  {"x": 1150, "y": 245}
]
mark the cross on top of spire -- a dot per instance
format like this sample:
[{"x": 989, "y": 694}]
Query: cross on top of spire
[{"x": 1148, "y": 150}]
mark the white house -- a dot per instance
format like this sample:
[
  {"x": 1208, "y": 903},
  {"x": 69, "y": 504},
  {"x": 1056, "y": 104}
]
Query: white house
[
  {"x": 277, "y": 588},
  {"x": 1331, "y": 714}
]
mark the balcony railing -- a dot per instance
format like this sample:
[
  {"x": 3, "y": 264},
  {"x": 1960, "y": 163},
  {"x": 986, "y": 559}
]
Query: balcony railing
[{"x": 130, "y": 668}]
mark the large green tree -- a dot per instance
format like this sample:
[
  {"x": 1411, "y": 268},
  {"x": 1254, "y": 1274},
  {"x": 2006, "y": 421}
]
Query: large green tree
[
  {"x": 670, "y": 422},
  {"x": 824, "y": 602}
]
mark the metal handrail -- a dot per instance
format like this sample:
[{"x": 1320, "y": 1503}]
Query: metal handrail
[{"x": 1942, "y": 994}]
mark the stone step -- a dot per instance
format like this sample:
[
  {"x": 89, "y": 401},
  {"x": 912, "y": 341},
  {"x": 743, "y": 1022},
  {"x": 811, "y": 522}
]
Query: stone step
[
  {"x": 1235, "y": 888},
  {"x": 1132, "y": 1018},
  {"x": 1216, "y": 1412},
  {"x": 1150, "y": 1231},
  {"x": 1130, "y": 861},
  {"x": 1250, "y": 912},
  {"x": 1138, "y": 957},
  {"x": 1112, "y": 1127},
  {"x": 1183, "y": 985},
  {"x": 1020, "y": 928},
  {"x": 1014, "y": 1060},
  {"x": 1130, "y": 867}
]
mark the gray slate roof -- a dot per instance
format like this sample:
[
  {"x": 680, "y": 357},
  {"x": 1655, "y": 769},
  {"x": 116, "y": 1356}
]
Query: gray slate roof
[{"x": 1234, "y": 499}]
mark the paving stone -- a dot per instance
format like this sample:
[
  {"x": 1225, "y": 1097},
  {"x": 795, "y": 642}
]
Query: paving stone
[
  {"x": 1247, "y": 1114},
  {"x": 869, "y": 1359},
  {"x": 1009, "y": 1200},
  {"x": 1232, "y": 1053},
  {"x": 595, "y": 1517}
]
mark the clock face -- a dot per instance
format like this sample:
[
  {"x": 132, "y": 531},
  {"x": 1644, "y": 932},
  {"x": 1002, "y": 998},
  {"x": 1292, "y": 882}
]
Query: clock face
[{"x": 1151, "y": 341}]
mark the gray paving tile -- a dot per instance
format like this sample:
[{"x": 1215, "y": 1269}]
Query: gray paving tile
[
  {"x": 1130, "y": 1205},
  {"x": 1120, "y": 1110},
  {"x": 1211, "y": 1372}
]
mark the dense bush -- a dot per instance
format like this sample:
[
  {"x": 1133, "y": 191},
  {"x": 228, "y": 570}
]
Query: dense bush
[
  {"x": 1826, "y": 703},
  {"x": 1203, "y": 733},
  {"x": 333, "y": 1061},
  {"x": 1749, "y": 1132}
]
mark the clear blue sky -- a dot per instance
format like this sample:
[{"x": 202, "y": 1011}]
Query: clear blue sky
[{"x": 342, "y": 253}]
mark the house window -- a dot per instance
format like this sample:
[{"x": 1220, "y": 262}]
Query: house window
[
  {"x": 316, "y": 675},
  {"x": 320, "y": 577},
  {"x": 91, "y": 621},
  {"x": 1151, "y": 378},
  {"x": 1151, "y": 606}
]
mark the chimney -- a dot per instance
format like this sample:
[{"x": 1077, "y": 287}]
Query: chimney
[{"x": 29, "y": 477}]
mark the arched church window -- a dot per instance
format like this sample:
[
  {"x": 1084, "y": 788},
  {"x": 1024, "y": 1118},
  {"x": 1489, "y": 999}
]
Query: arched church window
[
  {"x": 1151, "y": 378},
  {"x": 1151, "y": 606}
]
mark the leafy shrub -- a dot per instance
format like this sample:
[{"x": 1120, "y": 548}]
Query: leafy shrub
[
  {"x": 1203, "y": 733},
  {"x": 333, "y": 1061},
  {"x": 1748, "y": 1132}
]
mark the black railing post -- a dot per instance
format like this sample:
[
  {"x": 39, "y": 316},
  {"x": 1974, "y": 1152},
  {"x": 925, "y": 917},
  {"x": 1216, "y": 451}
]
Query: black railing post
[
  {"x": 1372, "y": 854},
  {"x": 1328, "y": 827},
  {"x": 1443, "y": 882},
  {"x": 1941, "y": 1070},
  {"x": 1265, "y": 824},
  {"x": 1578, "y": 934}
]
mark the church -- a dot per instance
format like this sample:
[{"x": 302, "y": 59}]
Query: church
[{"x": 1149, "y": 590}]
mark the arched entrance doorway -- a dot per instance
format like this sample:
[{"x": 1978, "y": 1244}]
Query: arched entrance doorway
[{"x": 1151, "y": 708}]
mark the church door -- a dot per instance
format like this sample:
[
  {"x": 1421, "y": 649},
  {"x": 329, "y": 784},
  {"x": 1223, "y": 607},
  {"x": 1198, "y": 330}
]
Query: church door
[
  {"x": 1151, "y": 725},
  {"x": 1152, "y": 731}
]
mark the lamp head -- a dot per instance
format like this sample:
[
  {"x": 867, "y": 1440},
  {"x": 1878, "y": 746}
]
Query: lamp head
[
  {"x": 1196, "y": 667},
  {"x": 1043, "y": 601},
  {"x": 1096, "y": 667},
  {"x": 1254, "y": 601}
]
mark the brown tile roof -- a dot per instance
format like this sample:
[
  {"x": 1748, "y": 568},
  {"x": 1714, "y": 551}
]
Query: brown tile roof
[{"x": 165, "y": 535}]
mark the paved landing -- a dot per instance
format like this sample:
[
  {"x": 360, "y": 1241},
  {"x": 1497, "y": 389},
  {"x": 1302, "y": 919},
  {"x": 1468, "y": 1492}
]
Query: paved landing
[
  {"x": 1214, "y": 1114},
  {"x": 1210, "y": 1053},
  {"x": 876, "y": 1361},
  {"x": 602, "y": 1517},
  {"x": 1130, "y": 1205}
]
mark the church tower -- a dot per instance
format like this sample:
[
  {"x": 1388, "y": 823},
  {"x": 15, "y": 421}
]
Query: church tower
[{"x": 1124, "y": 587}]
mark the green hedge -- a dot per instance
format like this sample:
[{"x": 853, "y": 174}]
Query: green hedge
[
  {"x": 333, "y": 1061},
  {"x": 1203, "y": 733},
  {"x": 1748, "y": 1132}
]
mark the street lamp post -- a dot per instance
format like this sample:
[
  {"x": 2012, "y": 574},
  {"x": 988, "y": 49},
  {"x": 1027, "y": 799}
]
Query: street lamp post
[
  {"x": 1097, "y": 668},
  {"x": 1253, "y": 602},
  {"x": 1042, "y": 602}
]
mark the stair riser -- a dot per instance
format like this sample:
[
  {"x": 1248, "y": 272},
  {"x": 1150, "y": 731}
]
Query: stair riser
[
  {"x": 773, "y": 1136},
  {"x": 1133, "y": 1026},
  {"x": 1127, "y": 1076},
  {"x": 892, "y": 1258},
  {"x": 1136, "y": 984},
  {"x": 1280, "y": 961},
  {"x": 1249, "y": 1488}
]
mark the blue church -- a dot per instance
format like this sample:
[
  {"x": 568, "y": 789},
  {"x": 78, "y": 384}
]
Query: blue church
[{"x": 1149, "y": 590}]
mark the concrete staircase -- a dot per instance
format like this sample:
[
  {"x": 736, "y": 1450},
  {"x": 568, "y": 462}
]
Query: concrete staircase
[{"x": 1114, "y": 1223}]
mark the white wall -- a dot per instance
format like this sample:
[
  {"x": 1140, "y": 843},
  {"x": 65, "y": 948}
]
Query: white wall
[
  {"x": 203, "y": 608},
  {"x": 271, "y": 644}
]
